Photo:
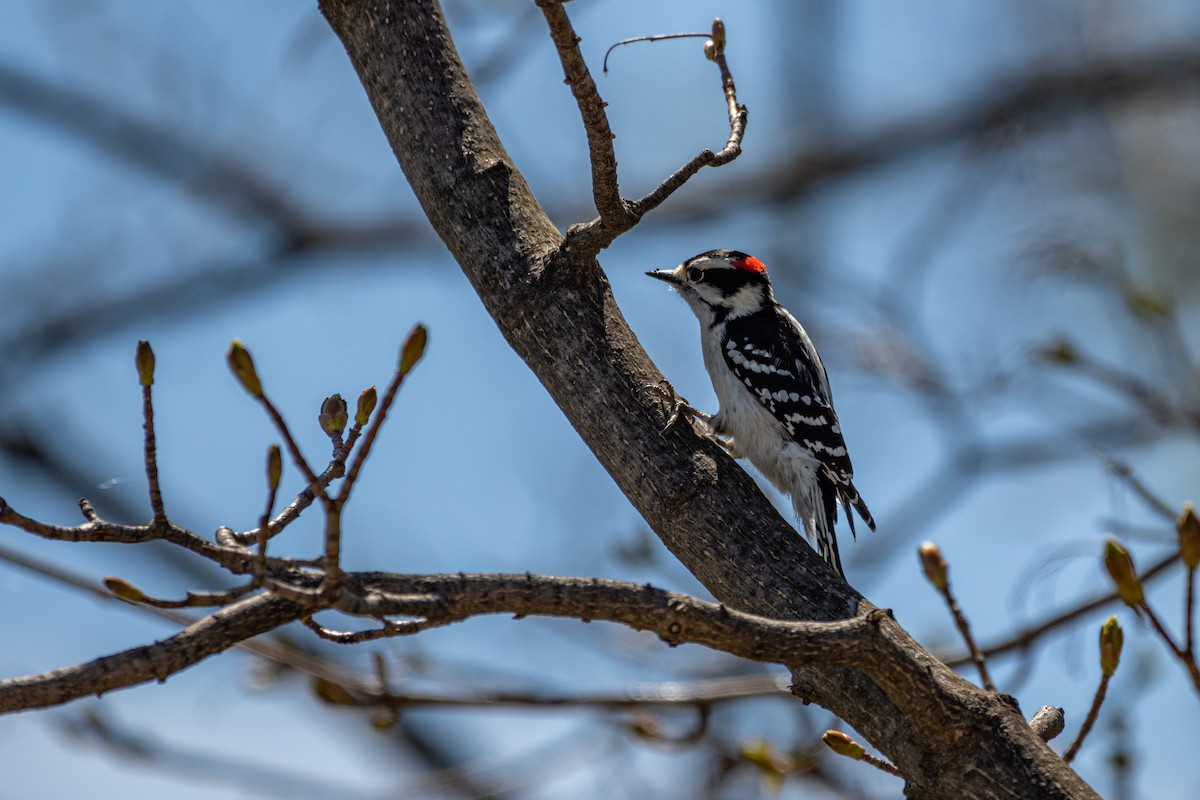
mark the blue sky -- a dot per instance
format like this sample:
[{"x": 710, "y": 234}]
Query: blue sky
[{"x": 477, "y": 470}]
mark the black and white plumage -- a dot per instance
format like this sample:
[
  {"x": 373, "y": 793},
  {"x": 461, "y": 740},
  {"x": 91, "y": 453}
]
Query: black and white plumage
[{"x": 775, "y": 404}]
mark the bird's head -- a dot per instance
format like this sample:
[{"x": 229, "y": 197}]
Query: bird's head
[{"x": 720, "y": 284}]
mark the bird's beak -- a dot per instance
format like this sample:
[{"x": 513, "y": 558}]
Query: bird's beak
[{"x": 671, "y": 276}]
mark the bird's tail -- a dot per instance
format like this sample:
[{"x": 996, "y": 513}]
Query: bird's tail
[
  {"x": 818, "y": 515},
  {"x": 852, "y": 499}
]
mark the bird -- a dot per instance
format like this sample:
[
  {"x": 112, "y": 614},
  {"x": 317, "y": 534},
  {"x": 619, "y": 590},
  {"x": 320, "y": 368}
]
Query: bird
[{"x": 776, "y": 408}]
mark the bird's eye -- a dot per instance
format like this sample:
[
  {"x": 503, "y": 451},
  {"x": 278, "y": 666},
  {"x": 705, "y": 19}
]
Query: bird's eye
[{"x": 695, "y": 274}]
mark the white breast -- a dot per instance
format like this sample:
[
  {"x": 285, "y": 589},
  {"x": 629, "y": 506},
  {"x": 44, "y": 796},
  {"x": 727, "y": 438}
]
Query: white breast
[{"x": 755, "y": 432}]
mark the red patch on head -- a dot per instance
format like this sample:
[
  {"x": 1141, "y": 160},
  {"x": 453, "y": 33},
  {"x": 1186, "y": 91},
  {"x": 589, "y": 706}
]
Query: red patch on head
[{"x": 750, "y": 264}]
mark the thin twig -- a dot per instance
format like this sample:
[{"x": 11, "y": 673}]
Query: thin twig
[
  {"x": 937, "y": 572},
  {"x": 1025, "y": 639},
  {"x": 292, "y": 511},
  {"x": 260, "y": 567},
  {"x": 1090, "y": 720},
  {"x": 1187, "y": 657},
  {"x": 150, "y": 449},
  {"x": 605, "y": 189},
  {"x": 658, "y": 37},
  {"x": 293, "y": 448},
  {"x": 617, "y": 215},
  {"x": 233, "y": 558},
  {"x": 738, "y": 116},
  {"x": 964, "y": 628},
  {"x": 1189, "y": 611},
  {"x": 884, "y": 766},
  {"x": 200, "y": 599},
  {"x": 845, "y": 745}
]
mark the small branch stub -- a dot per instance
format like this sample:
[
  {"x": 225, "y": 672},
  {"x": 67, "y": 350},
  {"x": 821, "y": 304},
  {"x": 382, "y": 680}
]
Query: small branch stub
[{"x": 1048, "y": 722}]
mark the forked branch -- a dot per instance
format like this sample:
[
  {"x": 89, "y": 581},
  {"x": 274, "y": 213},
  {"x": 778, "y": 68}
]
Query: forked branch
[{"x": 616, "y": 214}]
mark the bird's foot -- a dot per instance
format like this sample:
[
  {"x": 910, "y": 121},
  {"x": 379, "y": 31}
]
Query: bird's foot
[{"x": 664, "y": 392}]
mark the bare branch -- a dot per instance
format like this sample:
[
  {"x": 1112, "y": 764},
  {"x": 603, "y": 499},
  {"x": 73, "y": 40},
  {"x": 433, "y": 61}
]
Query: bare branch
[
  {"x": 1026, "y": 638},
  {"x": 605, "y": 190},
  {"x": 212, "y": 634},
  {"x": 617, "y": 215},
  {"x": 676, "y": 619},
  {"x": 235, "y": 559},
  {"x": 937, "y": 572}
]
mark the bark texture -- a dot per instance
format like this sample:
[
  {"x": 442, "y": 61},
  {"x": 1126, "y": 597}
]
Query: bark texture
[{"x": 950, "y": 738}]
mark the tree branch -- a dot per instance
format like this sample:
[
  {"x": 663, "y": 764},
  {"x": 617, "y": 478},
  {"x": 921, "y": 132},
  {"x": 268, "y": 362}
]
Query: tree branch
[
  {"x": 617, "y": 215},
  {"x": 214, "y": 633},
  {"x": 444, "y": 599}
]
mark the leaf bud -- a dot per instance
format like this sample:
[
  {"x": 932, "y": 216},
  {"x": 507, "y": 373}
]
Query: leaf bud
[
  {"x": 412, "y": 349},
  {"x": 333, "y": 416},
  {"x": 1112, "y": 638},
  {"x": 843, "y": 745},
  {"x": 936, "y": 569},
  {"x": 366, "y": 404},
  {"x": 1119, "y": 564},
  {"x": 274, "y": 466},
  {"x": 243, "y": 368},
  {"x": 145, "y": 363},
  {"x": 124, "y": 590}
]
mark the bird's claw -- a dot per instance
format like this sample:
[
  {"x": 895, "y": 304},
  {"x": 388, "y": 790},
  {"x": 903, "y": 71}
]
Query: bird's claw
[{"x": 665, "y": 393}]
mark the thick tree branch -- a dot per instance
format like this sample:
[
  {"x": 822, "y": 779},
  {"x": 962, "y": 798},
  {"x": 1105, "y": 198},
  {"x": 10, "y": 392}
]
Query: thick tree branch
[{"x": 435, "y": 600}]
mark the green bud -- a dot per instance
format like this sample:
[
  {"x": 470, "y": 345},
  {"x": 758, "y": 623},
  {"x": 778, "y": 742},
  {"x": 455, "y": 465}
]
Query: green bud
[
  {"x": 243, "y": 368},
  {"x": 412, "y": 349},
  {"x": 718, "y": 34},
  {"x": 710, "y": 50},
  {"x": 274, "y": 466},
  {"x": 124, "y": 590},
  {"x": 366, "y": 404},
  {"x": 1189, "y": 537},
  {"x": 145, "y": 363},
  {"x": 1112, "y": 638},
  {"x": 843, "y": 745},
  {"x": 333, "y": 416},
  {"x": 1120, "y": 566},
  {"x": 936, "y": 569}
]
